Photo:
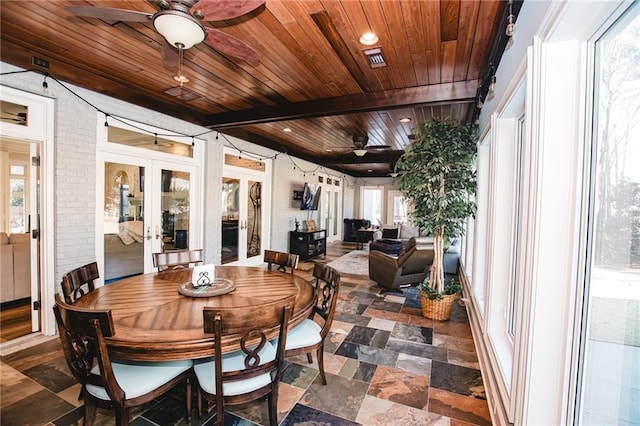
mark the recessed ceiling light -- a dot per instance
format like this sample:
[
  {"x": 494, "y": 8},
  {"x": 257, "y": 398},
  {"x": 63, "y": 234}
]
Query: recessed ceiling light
[
  {"x": 405, "y": 119},
  {"x": 370, "y": 171},
  {"x": 287, "y": 129},
  {"x": 369, "y": 39}
]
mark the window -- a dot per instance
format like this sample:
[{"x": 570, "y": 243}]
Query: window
[
  {"x": 17, "y": 199},
  {"x": 610, "y": 352},
  {"x": 517, "y": 225},
  {"x": 371, "y": 204}
]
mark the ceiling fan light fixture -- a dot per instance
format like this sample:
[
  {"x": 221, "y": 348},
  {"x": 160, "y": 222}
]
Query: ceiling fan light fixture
[
  {"x": 405, "y": 120},
  {"x": 393, "y": 174},
  {"x": 369, "y": 39},
  {"x": 179, "y": 29},
  {"x": 360, "y": 152},
  {"x": 180, "y": 78}
]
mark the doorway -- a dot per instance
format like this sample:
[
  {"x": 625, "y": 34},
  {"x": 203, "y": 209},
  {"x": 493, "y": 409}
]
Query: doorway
[
  {"x": 26, "y": 182},
  {"x": 150, "y": 202},
  {"x": 330, "y": 211},
  {"x": 245, "y": 209}
]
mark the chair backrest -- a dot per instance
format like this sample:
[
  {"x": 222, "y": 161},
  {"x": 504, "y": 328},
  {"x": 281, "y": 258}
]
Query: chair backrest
[
  {"x": 79, "y": 282},
  {"x": 416, "y": 256},
  {"x": 82, "y": 332},
  {"x": 283, "y": 260},
  {"x": 177, "y": 259},
  {"x": 327, "y": 286},
  {"x": 253, "y": 328}
]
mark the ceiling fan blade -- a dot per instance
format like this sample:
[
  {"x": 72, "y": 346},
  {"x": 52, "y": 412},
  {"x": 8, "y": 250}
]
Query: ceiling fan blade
[
  {"x": 170, "y": 56},
  {"x": 378, "y": 147},
  {"x": 218, "y": 10},
  {"x": 231, "y": 46},
  {"x": 110, "y": 14}
]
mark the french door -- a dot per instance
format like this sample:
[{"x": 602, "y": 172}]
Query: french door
[
  {"x": 329, "y": 214},
  {"x": 245, "y": 212},
  {"x": 148, "y": 206}
]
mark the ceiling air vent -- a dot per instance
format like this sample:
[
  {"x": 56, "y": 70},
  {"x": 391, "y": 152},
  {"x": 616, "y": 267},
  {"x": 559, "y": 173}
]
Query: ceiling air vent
[{"x": 376, "y": 60}]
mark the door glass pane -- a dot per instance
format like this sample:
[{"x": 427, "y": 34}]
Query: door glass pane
[
  {"x": 335, "y": 214},
  {"x": 17, "y": 218},
  {"x": 150, "y": 141},
  {"x": 372, "y": 205},
  {"x": 13, "y": 113},
  {"x": 123, "y": 221},
  {"x": 610, "y": 358},
  {"x": 254, "y": 219},
  {"x": 175, "y": 206},
  {"x": 230, "y": 217},
  {"x": 326, "y": 207}
]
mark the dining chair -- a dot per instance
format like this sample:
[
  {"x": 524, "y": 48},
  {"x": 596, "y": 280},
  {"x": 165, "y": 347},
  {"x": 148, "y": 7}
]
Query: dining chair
[
  {"x": 177, "y": 259},
  {"x": 251, "y": 372},
  {"x": 112, "y": 384},
  {"x": 79, "y": 282},
  {"x": 283, "y": 260},
  {"x": 309, "y": 335}
]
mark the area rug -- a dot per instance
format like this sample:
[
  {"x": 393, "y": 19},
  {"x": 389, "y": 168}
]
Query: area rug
[{"x": 355, "y": 262}]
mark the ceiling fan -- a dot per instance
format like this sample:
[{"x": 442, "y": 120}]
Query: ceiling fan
[
  {"x": 360, "y": 147},
  {"x": 178, "y": 21},
  {"x": 20, "y": 118}
]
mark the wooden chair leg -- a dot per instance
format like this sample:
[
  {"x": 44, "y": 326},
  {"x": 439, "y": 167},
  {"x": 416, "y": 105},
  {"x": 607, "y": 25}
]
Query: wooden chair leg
[
  {"x": 320, "y": 356},
  {"x": 199, "y": 398},
  {"x": 309, "y": 358},
  {"x": 219, "y": 411},
  {"x": 188, "y": 399},
  {"x": 272, "y": 400},
  {"x": 122, "y": 416},
  {"x": 89, "y": 412}
]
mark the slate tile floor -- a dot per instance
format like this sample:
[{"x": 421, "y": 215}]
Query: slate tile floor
[{"x": 385, "y": 364}]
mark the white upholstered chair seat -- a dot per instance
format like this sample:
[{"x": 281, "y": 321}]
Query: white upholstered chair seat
[
  {"x": 306, "y": 333},
  {"x": 138, "y": 379},
  {"x": 206, "y": 374}
]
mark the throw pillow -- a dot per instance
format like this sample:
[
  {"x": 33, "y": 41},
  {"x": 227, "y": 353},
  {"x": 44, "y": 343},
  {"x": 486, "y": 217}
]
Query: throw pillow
[
  {"x": 407, "y": 231},
  {"x": 390, "y": 233}
]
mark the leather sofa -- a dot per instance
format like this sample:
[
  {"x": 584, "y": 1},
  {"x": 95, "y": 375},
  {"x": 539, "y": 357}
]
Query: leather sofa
[
  {"x": 411, "y": 266},
  {"x": 15, "y": 267}
]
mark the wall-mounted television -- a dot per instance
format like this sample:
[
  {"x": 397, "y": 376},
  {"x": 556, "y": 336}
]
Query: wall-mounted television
[{"x": 310, "y": 197}]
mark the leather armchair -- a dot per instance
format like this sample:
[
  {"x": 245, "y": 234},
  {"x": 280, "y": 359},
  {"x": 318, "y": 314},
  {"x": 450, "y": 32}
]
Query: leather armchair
[{"x": 411, "y": 266}]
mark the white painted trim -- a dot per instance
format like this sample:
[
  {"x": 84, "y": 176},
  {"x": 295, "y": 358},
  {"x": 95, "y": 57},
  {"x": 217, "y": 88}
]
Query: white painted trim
[
  {"x": 41, "y": 128},
  {"x": 152, "y": 161},
  {"x": 266, "y": 177}
]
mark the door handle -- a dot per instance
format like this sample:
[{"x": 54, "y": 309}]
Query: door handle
[
  {"x": 148, "y": 233},
  {"x": 157, "y": 232}
]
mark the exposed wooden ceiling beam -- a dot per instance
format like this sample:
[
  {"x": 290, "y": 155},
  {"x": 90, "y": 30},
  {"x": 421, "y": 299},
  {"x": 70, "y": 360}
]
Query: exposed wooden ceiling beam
[{"x": 447, "y": 93}]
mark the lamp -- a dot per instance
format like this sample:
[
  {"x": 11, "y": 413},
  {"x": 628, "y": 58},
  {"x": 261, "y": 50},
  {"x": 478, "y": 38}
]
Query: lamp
[
  {"x": 511, "y": 26},
  {"x": 360, "y": 152},
  {"x": 179, "y": 29}
]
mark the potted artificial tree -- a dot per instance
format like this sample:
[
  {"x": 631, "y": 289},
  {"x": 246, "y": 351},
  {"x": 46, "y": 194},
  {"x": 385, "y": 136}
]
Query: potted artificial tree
[{"x": 438, "y": 177}]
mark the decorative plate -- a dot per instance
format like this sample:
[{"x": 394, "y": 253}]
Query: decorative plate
[{"x": 216, "y": 288}]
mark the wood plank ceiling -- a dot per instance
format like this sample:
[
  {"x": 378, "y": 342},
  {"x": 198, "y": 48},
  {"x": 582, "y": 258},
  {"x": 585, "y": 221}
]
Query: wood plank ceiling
[{"x": 313, "y": 77}]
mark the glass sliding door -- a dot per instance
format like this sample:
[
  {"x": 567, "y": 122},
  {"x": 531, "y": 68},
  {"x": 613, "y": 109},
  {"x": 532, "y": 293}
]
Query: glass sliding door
[{"x": 610, "y": 352}]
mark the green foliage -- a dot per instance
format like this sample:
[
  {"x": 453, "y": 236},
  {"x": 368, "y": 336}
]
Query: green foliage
[
  {"x": 451, "y": 287},
  {"x": 439, "y": 179}
]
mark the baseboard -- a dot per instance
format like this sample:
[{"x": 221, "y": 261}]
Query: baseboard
[{"x": 497, "y": 410}]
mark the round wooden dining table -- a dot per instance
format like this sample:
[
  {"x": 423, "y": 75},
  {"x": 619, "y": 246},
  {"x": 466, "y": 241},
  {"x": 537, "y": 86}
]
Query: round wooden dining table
[{"x": 154, "y": 322}]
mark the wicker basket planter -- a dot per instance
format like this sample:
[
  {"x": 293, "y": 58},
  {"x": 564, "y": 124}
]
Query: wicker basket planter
[{"x": 439, "y": 310}]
